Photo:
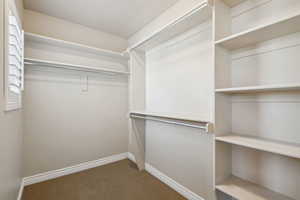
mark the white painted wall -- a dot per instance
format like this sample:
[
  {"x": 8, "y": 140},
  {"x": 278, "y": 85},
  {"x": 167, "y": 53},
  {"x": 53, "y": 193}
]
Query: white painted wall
[
  {"x": 65, "y": 126},
  {"x": 91, "y": 124},
  {"x": 180, "y": 80},
  {"x": 178, "y": 75},
  {"x": 11, "y": 133},
  {"x": 39, "y": 23}
]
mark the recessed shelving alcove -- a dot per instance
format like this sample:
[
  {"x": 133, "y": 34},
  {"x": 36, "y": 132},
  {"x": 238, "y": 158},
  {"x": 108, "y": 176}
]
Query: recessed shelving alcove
[{"x": 257, "y": 97}]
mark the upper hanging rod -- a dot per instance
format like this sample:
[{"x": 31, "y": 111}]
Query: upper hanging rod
[
  {"x": 81, "y": 68},
  {"x": 206, "y": 126}
]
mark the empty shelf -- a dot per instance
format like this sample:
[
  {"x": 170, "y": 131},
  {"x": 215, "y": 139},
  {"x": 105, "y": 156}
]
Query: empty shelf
[
  {"x": 58, "y": 65},
  {"x": 285, "y": 149},
  {"x": 263, "y": 88},
  {"x": 262, "y": 33},
  {"x": 245, "y": 190},
  {"x": 32, "y": 37},
  {"x": 188, "y": 20}
]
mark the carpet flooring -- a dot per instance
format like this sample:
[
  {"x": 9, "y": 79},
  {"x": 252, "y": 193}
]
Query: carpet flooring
[{"x": 117, "y": 181}]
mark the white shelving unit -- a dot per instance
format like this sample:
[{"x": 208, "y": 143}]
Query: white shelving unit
[
  {"x": 250, "y": 49},
  {"x": 32, "y": 37},
  {"x": 78, "y": 57},
  {"x": 45, "y": 63},
  {"x": 285, "y": 149},
  {"x": 285, "y": 26}
]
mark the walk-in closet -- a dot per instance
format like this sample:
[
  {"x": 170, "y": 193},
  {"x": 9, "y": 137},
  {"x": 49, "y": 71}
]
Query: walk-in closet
[{"x": 150, "y": 100}]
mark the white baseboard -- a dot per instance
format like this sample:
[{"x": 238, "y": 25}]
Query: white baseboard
[
  {"x": 172, "y": 183},
  {"x": 131, "y": 157},
  {"x": 168, "y": 181},
  {"x": 96, "y": 163},
  {"x": 21, "y": 190},
  {"x": 73, "y": 169}
]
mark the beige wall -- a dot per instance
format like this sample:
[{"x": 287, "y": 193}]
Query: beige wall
[
  {"x": 65, "y": 126},
  {"x": 184, "y": 154},
  {"x": 91, "y": 125},
  {"x": 11, "y": 135},
  {"x": 39, "y": 23}
]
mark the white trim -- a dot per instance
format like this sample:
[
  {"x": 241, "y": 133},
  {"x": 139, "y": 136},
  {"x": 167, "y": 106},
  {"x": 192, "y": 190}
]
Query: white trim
[
  {"x": 168, "y": 181},
  {"x": 103, "y": 161},
  {"x": 73, "y": 169},
  {"x": 172, "y": 183},
  {"x": 131, "y": 157},
  {"x": 21, "y": 190}
]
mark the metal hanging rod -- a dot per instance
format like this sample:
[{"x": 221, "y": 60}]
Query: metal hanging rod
[
  {"x": 206, "y": 126},
  {"x": 81, "y": 68}
]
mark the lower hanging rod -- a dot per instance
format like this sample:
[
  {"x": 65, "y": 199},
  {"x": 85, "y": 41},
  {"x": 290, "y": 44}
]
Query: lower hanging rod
[{"x": 207, "y": 127}]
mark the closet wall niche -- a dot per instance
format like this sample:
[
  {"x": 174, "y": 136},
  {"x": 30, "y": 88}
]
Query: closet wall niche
[
  {"x": 76, "y": 102},
  {"x": 172, "y": 98},
  {"x": 257, "y": 145}
]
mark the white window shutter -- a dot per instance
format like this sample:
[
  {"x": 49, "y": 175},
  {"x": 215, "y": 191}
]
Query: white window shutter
[{"x": 15, "y": 64}]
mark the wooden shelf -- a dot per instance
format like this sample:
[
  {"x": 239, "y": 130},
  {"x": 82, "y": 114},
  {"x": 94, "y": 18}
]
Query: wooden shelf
[
  {"x": 285, "y": 149},
  {"x": 31, "y": 37},
  {"x": 245, "y": 190},
  {"x": 262, "y": 33},
  {"x": 263, "y": 88},
  {"x": 191, "y": 19},
  {"x": 44, "y": 63}
]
